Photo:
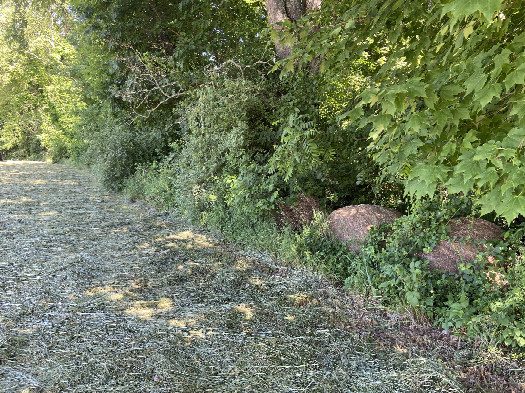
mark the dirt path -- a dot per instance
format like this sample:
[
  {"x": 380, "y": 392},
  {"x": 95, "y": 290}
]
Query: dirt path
[{"x": 100, "y": 295}]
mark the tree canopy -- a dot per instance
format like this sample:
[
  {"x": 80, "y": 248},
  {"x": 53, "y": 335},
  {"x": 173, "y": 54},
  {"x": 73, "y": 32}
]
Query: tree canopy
[
  {"x": 437, "y": 86},
  {"x": 445, "y": 108}
]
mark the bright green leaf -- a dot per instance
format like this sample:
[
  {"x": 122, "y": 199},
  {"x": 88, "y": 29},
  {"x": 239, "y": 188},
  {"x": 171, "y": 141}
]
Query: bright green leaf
[
  {"x": 462, "y": 8},
  {"x": 516, "y": 77},
  {"x": 487, "y": 94},
  {"x": 512, "y": 207},
  {"x": 476, "y": 81}
]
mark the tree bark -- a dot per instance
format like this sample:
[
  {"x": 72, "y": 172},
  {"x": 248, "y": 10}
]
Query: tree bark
[{"x": 292, "y": 10}]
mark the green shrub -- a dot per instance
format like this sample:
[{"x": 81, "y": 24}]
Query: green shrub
[
  {"x": 483, "y": 301},
  {"x": 316, "y": 154},
  {"x": 315, "y": 247},
  {"x": 221, "y": 160},
  {"x": 114, "y": 145},
  {"x": 217, "y": 174}
]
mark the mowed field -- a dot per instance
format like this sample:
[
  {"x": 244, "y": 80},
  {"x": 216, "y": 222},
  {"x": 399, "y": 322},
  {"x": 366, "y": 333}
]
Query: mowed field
[{"x": 98, "y": 294}]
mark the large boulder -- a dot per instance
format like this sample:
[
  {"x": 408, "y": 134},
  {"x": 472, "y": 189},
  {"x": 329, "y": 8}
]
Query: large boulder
[
  {"x": 351, "y": 223},
  {"x": 448, "y": 254},
  {"x": 299, "y": 214}
]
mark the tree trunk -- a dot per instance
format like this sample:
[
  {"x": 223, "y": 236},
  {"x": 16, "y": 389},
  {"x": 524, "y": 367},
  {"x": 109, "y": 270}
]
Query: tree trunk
[{"x": 292, "y": 10}]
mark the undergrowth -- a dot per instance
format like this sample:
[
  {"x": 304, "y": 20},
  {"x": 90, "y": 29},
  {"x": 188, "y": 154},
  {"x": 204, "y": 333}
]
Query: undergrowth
[
  {"x": 220, "y": 174},
  {"x": 484, "y": 301}
]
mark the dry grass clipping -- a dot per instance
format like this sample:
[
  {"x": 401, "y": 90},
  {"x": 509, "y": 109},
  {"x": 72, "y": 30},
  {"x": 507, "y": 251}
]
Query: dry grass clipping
[{"x": 99, "y": 295}]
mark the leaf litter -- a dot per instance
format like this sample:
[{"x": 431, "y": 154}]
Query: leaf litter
[{"x": 98, "y": 294}]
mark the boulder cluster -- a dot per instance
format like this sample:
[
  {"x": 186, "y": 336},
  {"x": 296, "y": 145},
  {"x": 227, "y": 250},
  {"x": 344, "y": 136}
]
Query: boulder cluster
[{"x": 351, "y": 224}]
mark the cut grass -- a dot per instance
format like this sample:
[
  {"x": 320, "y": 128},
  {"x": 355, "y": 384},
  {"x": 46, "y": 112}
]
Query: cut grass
[{"x": 100, "y": 295}]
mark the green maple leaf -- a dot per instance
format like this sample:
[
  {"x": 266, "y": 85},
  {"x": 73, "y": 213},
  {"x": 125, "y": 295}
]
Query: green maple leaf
[
  {"x": 430, "y": 99},
  {"x": 411, "y": 147},
  {"x": 381, "y": 122},
  {"x": 490, "y": 202},
  {"x": 517, "y": 175},
  {"x": 487, "y": 94},
  {"x": 516, "y": 77},
  {"x": 518, "y": 108},
  {"x": 419, "y": 188},
  {"x": 499, "y": 61},
  {"x": 416, "y": 185},
  {"x": 467, "y": 31},
  {"x": 449, "y": 92},
  {"x": 448, "y": 149},
  {"x": 476, "y": 81},
  {"x": 417, "y": 122},
  {"x": 514, "y": 139},
  {"x": 488, "y": 177},
  {"x": 430, "y": 173},
  {"x": 512, "y": 207},
  {"x": 416, "y": 88},
  {"x": 388, "y": 107},
  {"x": 458, "y": 183},
  {"x": 442, "y": 116},
  {"x": 518, "y": 42},
  {"x": 485, "y": 152},
  {"x": 462, "y": 8},
  {"x": 353, "y": 114},
  {"x": 469, "y": 138},
  {"x": 460, "y": 113},
  {"x": 369, "y": 95}
]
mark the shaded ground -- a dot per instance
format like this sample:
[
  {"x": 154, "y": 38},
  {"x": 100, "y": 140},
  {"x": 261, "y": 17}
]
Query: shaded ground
[{"x": 100, "y": 295}]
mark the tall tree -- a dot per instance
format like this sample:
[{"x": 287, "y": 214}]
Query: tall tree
[
  {"x": 38, "y": 97},
  {"x": 160, "y": 50},
  {"x": 291, "y": 11}
]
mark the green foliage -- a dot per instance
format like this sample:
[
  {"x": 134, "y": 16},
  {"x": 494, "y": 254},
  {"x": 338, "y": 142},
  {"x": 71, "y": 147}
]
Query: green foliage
[
  {"x": 39, "y": 99},
  {"x": 219, "y": 167},
  {"x": 484, "y": 300},
  {"x": 114, "y": 147},
  {"x": 444, "y": 107},
  {"x": 173, "y": 101},
  {"x": 153, "y": 183},
  {"x": 225, "y": 149},
  {"x": 139, "y": 62},
  {"x": 317, "y": 155},
  {"x": 145, "y": 57},
  {"x": 315, "y": 247}
]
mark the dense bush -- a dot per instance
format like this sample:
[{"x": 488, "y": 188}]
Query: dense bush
[
  {"x": 227, "y": 140},
  {"x": 483, "y": 300},
  {"x": 217, "y": 174},
  {"x": 315, "y": 247},
  {"x": 316, "y": 154},
  {"x": 114, "y": 146}
]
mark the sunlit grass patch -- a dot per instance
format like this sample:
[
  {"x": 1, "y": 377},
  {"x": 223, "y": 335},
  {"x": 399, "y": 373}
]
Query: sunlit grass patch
[
  {"x": 299, "y": 299},
  {"x": 147, "y": 309},
  {"x": 17, "y": 200},
  {"x": 182, "y": 323},
  {"x": 50, "y": 213},
  {"x": 247, "y": 311},
  {"x": 185, "y": 238}
]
